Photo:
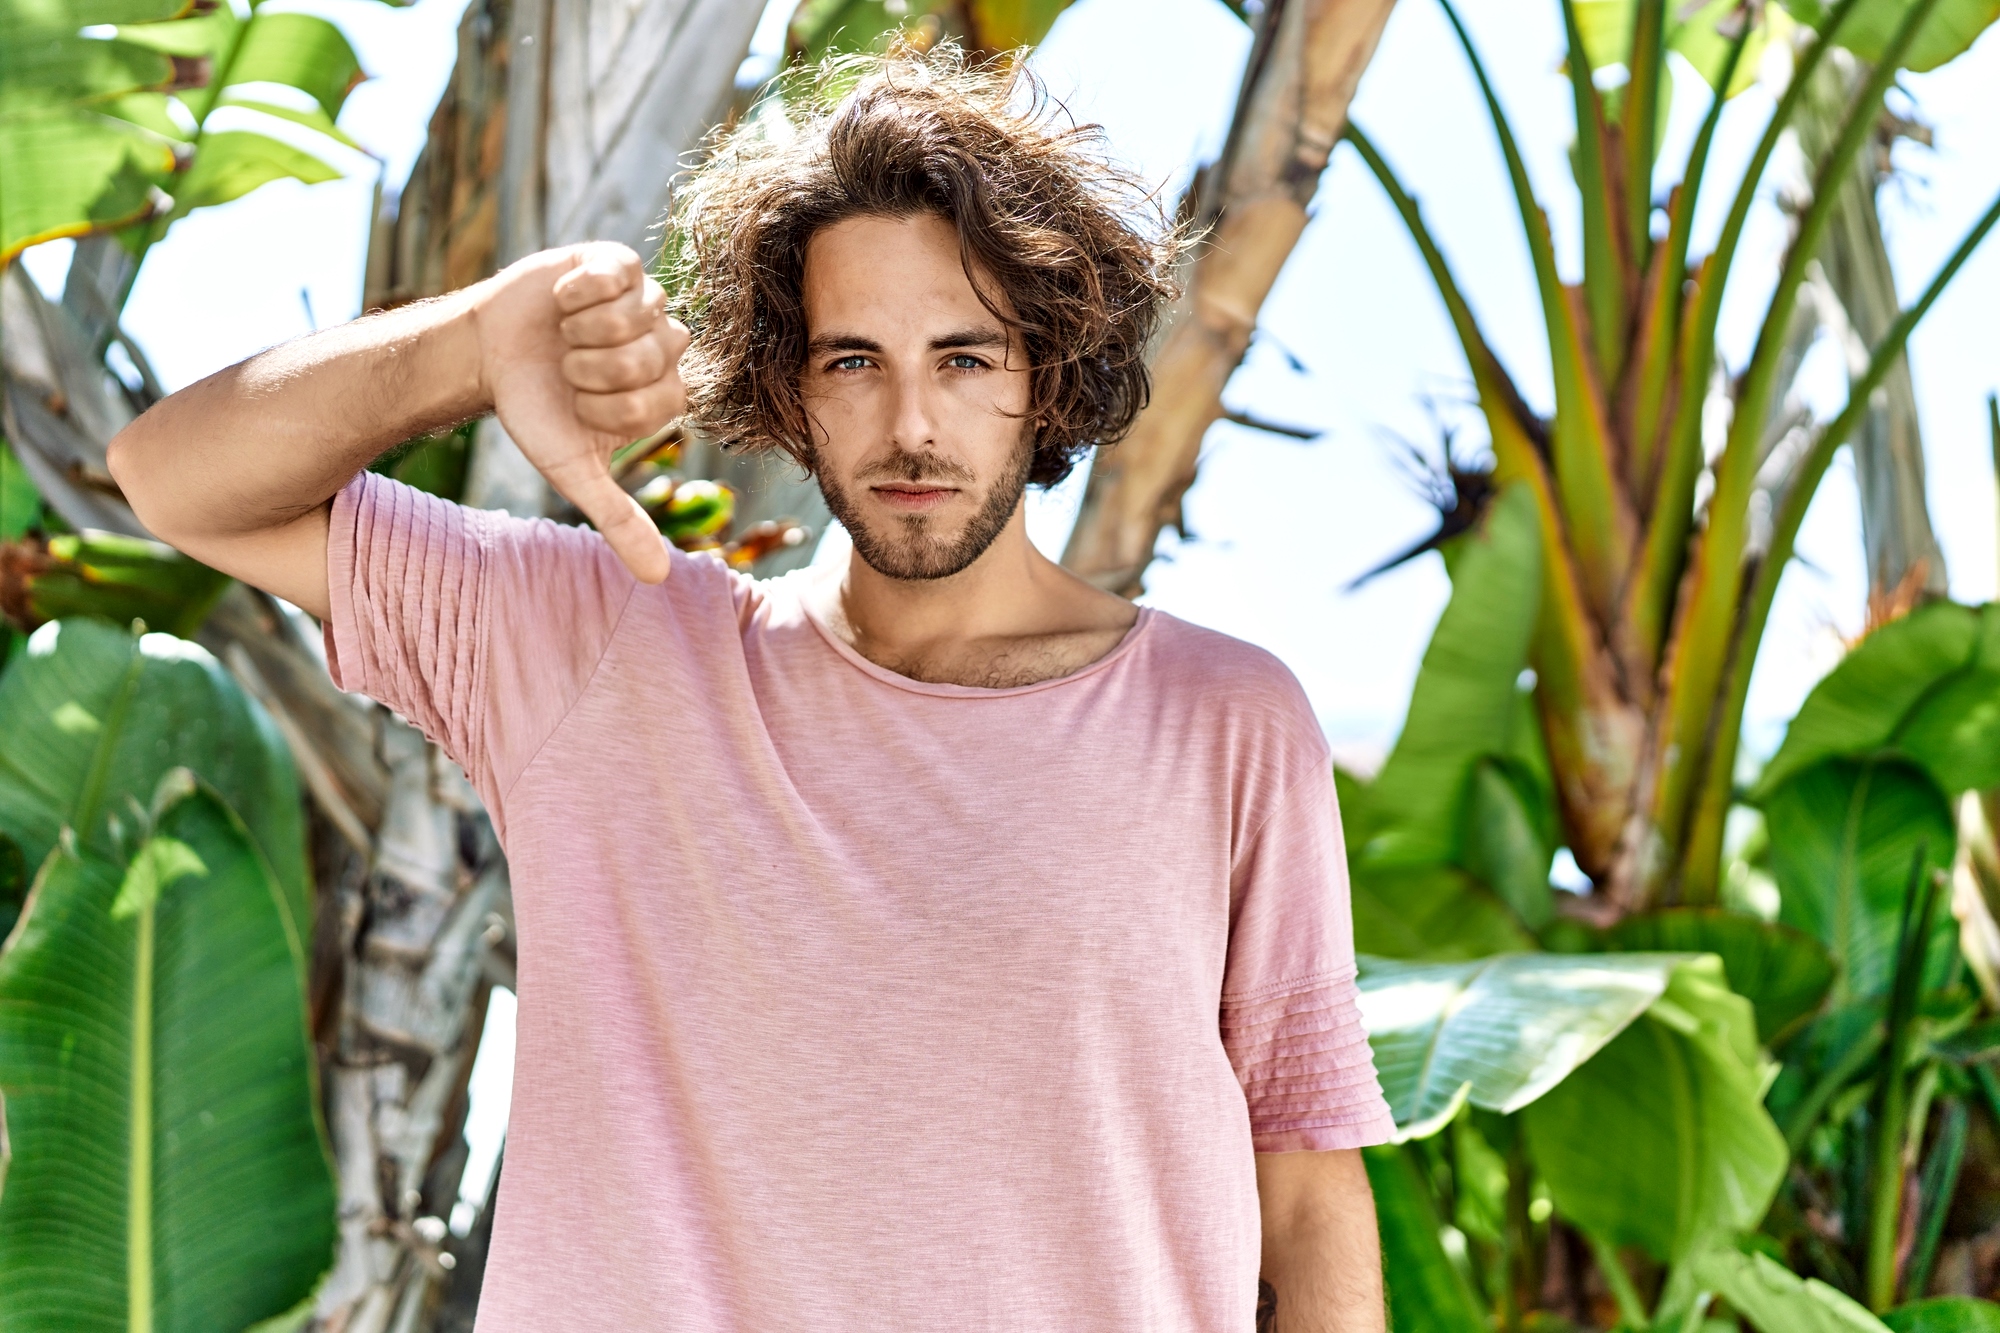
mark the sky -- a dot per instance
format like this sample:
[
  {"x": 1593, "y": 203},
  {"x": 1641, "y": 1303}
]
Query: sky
[{"x": 1352, "y": 342}]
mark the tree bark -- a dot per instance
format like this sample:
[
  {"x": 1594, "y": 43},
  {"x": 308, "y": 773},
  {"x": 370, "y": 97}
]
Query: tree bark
[{"x": 1303, "y": 71}]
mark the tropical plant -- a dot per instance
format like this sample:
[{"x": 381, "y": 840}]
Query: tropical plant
[
  {"x": 169, "y": 1169},
  {"x": 1612, "y": 577},
  {"x": 1509, "y": 1074},
  {"x": 122, "y": 115},
  {"x": 1651, "y": 608}
]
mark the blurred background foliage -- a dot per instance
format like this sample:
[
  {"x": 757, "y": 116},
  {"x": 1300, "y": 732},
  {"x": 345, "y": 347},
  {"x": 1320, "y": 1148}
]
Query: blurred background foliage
[{"x": 1736, "y": 1069}]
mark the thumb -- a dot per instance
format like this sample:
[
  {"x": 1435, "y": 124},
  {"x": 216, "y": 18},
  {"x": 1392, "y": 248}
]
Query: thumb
[{"x": 622, "y": 523}]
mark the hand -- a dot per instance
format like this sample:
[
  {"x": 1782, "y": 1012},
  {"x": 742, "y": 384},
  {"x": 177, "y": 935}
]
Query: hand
[{"x": 579, "y": 359}]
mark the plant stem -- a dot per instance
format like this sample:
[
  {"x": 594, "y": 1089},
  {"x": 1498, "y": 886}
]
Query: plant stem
[
  {"x": 1835, "y": 1077},
  {"x": 1885, "y": 1195},
  {"x": 1631, "y": 1310},
  {"x": 1939, "y": 1183},
  {"x": 1713, "y": 805}
]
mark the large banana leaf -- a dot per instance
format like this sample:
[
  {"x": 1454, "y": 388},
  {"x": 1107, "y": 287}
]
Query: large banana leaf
[
  {"x": 85, "y": 134},
  {"x": 1950, "y": 30},
  {"x": 1606, "y": 29},
  {"x": 1776, "y": 1300},
  {"x": 1500, "y": 1032},
  {"x": 1425, "y": 1291},
  {"x": 301, "y": 50},
  {"x": 1783, "y": 972},
  {"x": 68, "y": 172},
  {"x": 94, "y": 717},
  {"x": 1661, "y": 1140},
  {"x": 1844, "y": 837},
  {"x": 168, "y": 1167},
  {"x": 1466, "y": 704},
  {"x": 1435, "y": 913},
  {"x": 1925, "y": 687}
]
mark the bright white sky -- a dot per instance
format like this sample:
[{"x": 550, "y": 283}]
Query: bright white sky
[{"x": 1353, "y": 340}]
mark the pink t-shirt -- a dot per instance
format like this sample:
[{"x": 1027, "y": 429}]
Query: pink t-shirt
[{"x": 849, "y": 1002}]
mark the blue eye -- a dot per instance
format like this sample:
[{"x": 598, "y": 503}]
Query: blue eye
[
  {"x": 963, "y": 362},
  {"x": 851, "y": 363}
]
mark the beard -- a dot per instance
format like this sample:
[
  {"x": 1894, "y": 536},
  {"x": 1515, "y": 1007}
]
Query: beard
[{"x": 912, "y": 546}]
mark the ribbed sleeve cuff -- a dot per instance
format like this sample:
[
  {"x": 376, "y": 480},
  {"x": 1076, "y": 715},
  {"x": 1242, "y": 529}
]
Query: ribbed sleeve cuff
[
  {"x": 342, "y": 635},
  {"x": 1302, "y": 1056}
]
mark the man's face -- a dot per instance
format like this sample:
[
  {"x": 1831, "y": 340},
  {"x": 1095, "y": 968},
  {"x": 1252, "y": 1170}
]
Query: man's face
[{"x": 916, "y": 396}]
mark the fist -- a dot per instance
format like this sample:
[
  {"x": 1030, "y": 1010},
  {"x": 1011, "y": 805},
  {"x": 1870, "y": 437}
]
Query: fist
[
  {"x": 623, "y": 352},
  {"x": 579, "y": 359}
]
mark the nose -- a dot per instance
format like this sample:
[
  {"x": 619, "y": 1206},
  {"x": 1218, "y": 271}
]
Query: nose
[{"x": 912, "y": 424}]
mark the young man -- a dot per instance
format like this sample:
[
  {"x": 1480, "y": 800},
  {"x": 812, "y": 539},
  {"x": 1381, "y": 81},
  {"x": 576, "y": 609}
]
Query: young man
[{"x": 936, "y": 942}]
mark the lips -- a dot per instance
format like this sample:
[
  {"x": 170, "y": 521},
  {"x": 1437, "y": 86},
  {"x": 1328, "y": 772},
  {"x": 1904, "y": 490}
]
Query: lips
[{"x": 912, "y": 496}]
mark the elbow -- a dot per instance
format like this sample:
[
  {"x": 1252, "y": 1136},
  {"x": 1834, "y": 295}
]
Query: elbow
[{"x": 124, "y": 458}]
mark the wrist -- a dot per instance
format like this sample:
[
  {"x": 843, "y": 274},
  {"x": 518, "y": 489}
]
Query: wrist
[{"x": 451, "y": 356}]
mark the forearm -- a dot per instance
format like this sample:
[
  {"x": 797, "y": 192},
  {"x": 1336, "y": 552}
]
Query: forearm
[
  {"x": 1322, "y": 1258},
  {"x": 257, "y": 447}
]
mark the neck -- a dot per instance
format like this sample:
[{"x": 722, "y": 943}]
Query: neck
[{"x": 1011, "y": 589}]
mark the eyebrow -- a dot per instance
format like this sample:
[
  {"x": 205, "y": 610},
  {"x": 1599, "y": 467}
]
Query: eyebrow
[
  {"x": 982, "y": 337},
  {"x": 986, "y": 336}
]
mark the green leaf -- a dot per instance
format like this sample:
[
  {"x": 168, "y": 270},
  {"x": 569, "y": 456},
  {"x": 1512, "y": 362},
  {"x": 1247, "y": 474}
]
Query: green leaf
[
  {"x": 824, "y": 27},
  {"x": 1776, "y": 1300},
  {"x": 1949, "y": 32},
  {"x": 1860, "y": 706},
  {"x": 313, "y": 119},
  {"x": 159, "y": 862},
  {"x": 168, "y": 1168},
  {"x": 200, "y": 35},
  {"x": 1945, "y": 1314},
  {"x": 1680, "y": 1094},
  {"x": 1425, "y": 1290},
  {"x": 87, "y": 13},
  {"x": 1503, "y": 843},
  {"x": 95, "y": 718},
  {"x": 53, "y": 65},
  {"x": 1843, "y": 835},
  {"x": 1607, "y": 34},
  {"x": 1003, "y": 25},
  {"x": 1783, "y": 972},
  {"x": 301, "y": 50},
  {"x": 1465, "y": 704},
  {"x": 232, "y": 163},
  {"x": 123, "y": 579},
  {"x": 1435, "y": 913},
  {"x": 71, "y": 172},
  {"x": 1499, "y": 1032},
  {"x": 20, "y": 502}
]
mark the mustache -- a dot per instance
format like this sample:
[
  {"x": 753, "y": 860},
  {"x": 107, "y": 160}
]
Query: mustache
[{"x": 916, "y": 468}]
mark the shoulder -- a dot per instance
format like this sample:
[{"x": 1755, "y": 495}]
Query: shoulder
[{"x": 1240, "y": 691}]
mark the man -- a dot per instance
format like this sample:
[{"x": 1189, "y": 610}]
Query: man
[{"x": 935, "y": 942}]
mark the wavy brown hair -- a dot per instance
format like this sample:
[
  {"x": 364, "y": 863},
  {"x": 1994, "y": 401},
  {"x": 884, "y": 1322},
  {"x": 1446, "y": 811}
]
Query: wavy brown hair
[{"x": 1077, "y": 247}]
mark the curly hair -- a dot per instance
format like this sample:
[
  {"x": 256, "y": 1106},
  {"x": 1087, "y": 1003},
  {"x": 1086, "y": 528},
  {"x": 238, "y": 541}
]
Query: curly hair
[{"x": 1040, "y": 212}]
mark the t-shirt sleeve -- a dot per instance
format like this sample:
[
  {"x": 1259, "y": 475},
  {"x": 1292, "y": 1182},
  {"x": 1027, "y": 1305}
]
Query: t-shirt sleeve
[
  {"x": 1290, "y": 1019},
  {"x": 480, "y": 628}
]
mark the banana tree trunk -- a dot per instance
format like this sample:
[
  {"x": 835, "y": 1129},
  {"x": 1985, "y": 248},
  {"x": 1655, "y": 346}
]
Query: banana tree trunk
[{"x": 1304, "y": 67}]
